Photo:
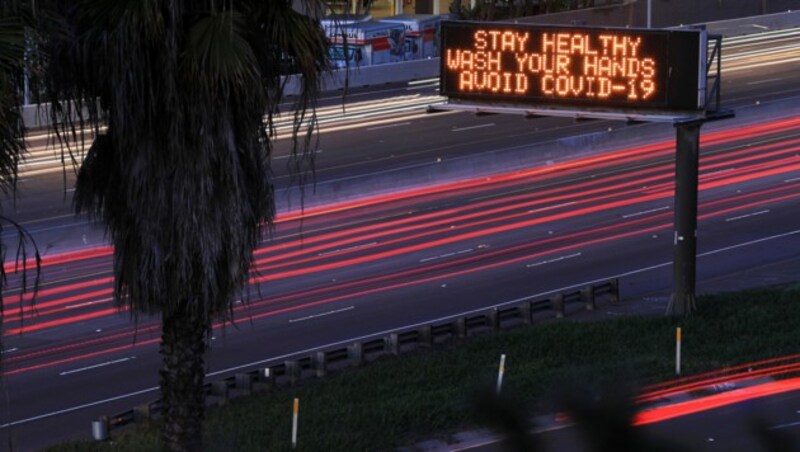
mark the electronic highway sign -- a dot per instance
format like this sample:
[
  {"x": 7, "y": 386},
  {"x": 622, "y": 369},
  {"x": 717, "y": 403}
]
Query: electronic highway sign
[{"x": 560, "y": 66}]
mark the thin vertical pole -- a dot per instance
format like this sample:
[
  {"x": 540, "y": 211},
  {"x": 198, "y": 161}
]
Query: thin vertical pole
[
  {"x": 295, "y": 414},
  {"x": 500, "y": 372},
  {"x": 678, "y": 351}
]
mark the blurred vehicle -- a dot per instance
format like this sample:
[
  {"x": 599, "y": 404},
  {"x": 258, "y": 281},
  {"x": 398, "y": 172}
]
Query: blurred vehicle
[
  {"x": 365, "y": 43},
  {"x": 421, "y": 34}
]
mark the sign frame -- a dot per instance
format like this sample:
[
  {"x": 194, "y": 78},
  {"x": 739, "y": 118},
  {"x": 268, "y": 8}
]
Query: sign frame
[{"x": 683, "y": 103}]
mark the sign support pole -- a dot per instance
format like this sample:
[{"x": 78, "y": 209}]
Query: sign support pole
[
  {"x": 687, "y": 160},
  {"x": 682, "y": 301}
]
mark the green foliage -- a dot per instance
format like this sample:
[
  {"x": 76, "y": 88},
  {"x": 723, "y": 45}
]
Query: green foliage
[
  {"x": 178, "y": 170},
  {"x": 14, "y": 17},
  {"x": 12, "y": 51},
  {"x": 181, "y": 175},
  {"x": 395, "y": 401}
]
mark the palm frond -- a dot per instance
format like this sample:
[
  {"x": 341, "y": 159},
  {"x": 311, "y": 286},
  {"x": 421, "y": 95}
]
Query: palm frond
[
  {"x": 12, "y": 130},
  {"x": 181, "y": 177}
]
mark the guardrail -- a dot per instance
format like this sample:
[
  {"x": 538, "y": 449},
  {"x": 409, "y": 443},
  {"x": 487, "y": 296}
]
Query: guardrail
[{"x": 322, "y": 362}]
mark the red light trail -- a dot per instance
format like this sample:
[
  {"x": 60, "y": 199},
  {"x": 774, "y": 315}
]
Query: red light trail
[{"x": 504, "y": 203}]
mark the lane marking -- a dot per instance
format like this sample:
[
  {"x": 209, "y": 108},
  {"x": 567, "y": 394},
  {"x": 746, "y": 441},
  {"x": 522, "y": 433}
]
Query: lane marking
[
  {"x": 389, "y": 126},
  {"x": 88, "y": 303},
  {"x": 726, "y": 170},
  {"x": 359, "y": 125},
  {"x": 281, "y": 157},
  {"x": 78, "y": 407},
  {"x": 9, "y": 350},
  {"x": 758, "y": 82},
  {"x": 779, "y": 426},
  {"x": 741, "y": 217},
  {"x": 792, "y": 180},
  {"x": 421, "y": 82},
  {"x": 480, "y": 126},
  {"x": 645, "y": 212},
  {"x": 550, "y": 261},
  {"x": 315, "y": 316},
  {"x": 446, "y": 255},
  {"x": 96, "y": 366},
  {"x": 307, "y": 351},
  {"x": 350, "y": 248},
  {"x": 544, "y": 209},
  {"x": 760, "y": 65}
]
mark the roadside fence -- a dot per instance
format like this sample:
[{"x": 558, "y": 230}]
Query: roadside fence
[{"x": 322, "y": 362}]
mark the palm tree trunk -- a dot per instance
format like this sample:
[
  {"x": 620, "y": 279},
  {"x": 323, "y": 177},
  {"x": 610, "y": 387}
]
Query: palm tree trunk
[{"x": 183, "y": 347}]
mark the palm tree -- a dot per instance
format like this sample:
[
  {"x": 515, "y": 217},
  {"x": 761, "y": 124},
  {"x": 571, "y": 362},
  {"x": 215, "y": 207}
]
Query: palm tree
[
  {"x": 12, "y": 147},
  {"x": 181, "y": 174},
  {"x": 13, "y": 18}
]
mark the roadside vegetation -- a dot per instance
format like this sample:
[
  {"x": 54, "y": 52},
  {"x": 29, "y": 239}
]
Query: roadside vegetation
[{"x": 422, "y": 395}]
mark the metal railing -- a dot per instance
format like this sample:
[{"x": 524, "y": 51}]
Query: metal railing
[{"x": 322, "y": 362}]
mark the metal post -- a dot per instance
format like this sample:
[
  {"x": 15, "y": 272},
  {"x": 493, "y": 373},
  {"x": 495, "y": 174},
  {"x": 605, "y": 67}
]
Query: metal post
[
  {"x": 500, "y": 371},
  {"x": 678, "y": 351},
  {"x": 26, "y": 91},
  {"x": 649, "y": 13},
  {"x": 425, "y": 336},
  {"x": 587, "y": 293},
  {"x": 558, "y": 305},
  {"x": 100, "y": 429},
  {"x": 392, "y": 342},
  {"x": 295, "y": 415},
  {"x": 687, "y": 160}
]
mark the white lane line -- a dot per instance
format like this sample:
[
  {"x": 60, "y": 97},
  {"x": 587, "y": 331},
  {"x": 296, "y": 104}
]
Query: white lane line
[
  {"x": 446, "y": 255},
  {"x": 543, "y": 209},
  {"x": 711, "y": 173},
  {"x": 279, "y": 157},
  {"x": 645, "y": 212},
  {"x": 88, "y": 303},
  {"x": 741, "y": 217},
  {"x": 550, "y": 261},
  {"x": 779, "y": 426},
  {"x": 78, "y": 407},
  {"x": 480, "y": 126},
  {"x": 315, "y": 316},
  {"x": 351, "y": 248},
  {"x": 763, "y": 27},
  {"x": 388, "y": 126},
  {"x": 10, "y": 350},
  {"x": 96, "y": 366},
  {"x": 792, "y": 180},
  {"x": 421, "y": 82},
  {"x": 760, "y": 65},
  {"x": 253, "y": 364},
  {"x": 360, "y": 125},
  {"x": 758, "y": 82}
]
